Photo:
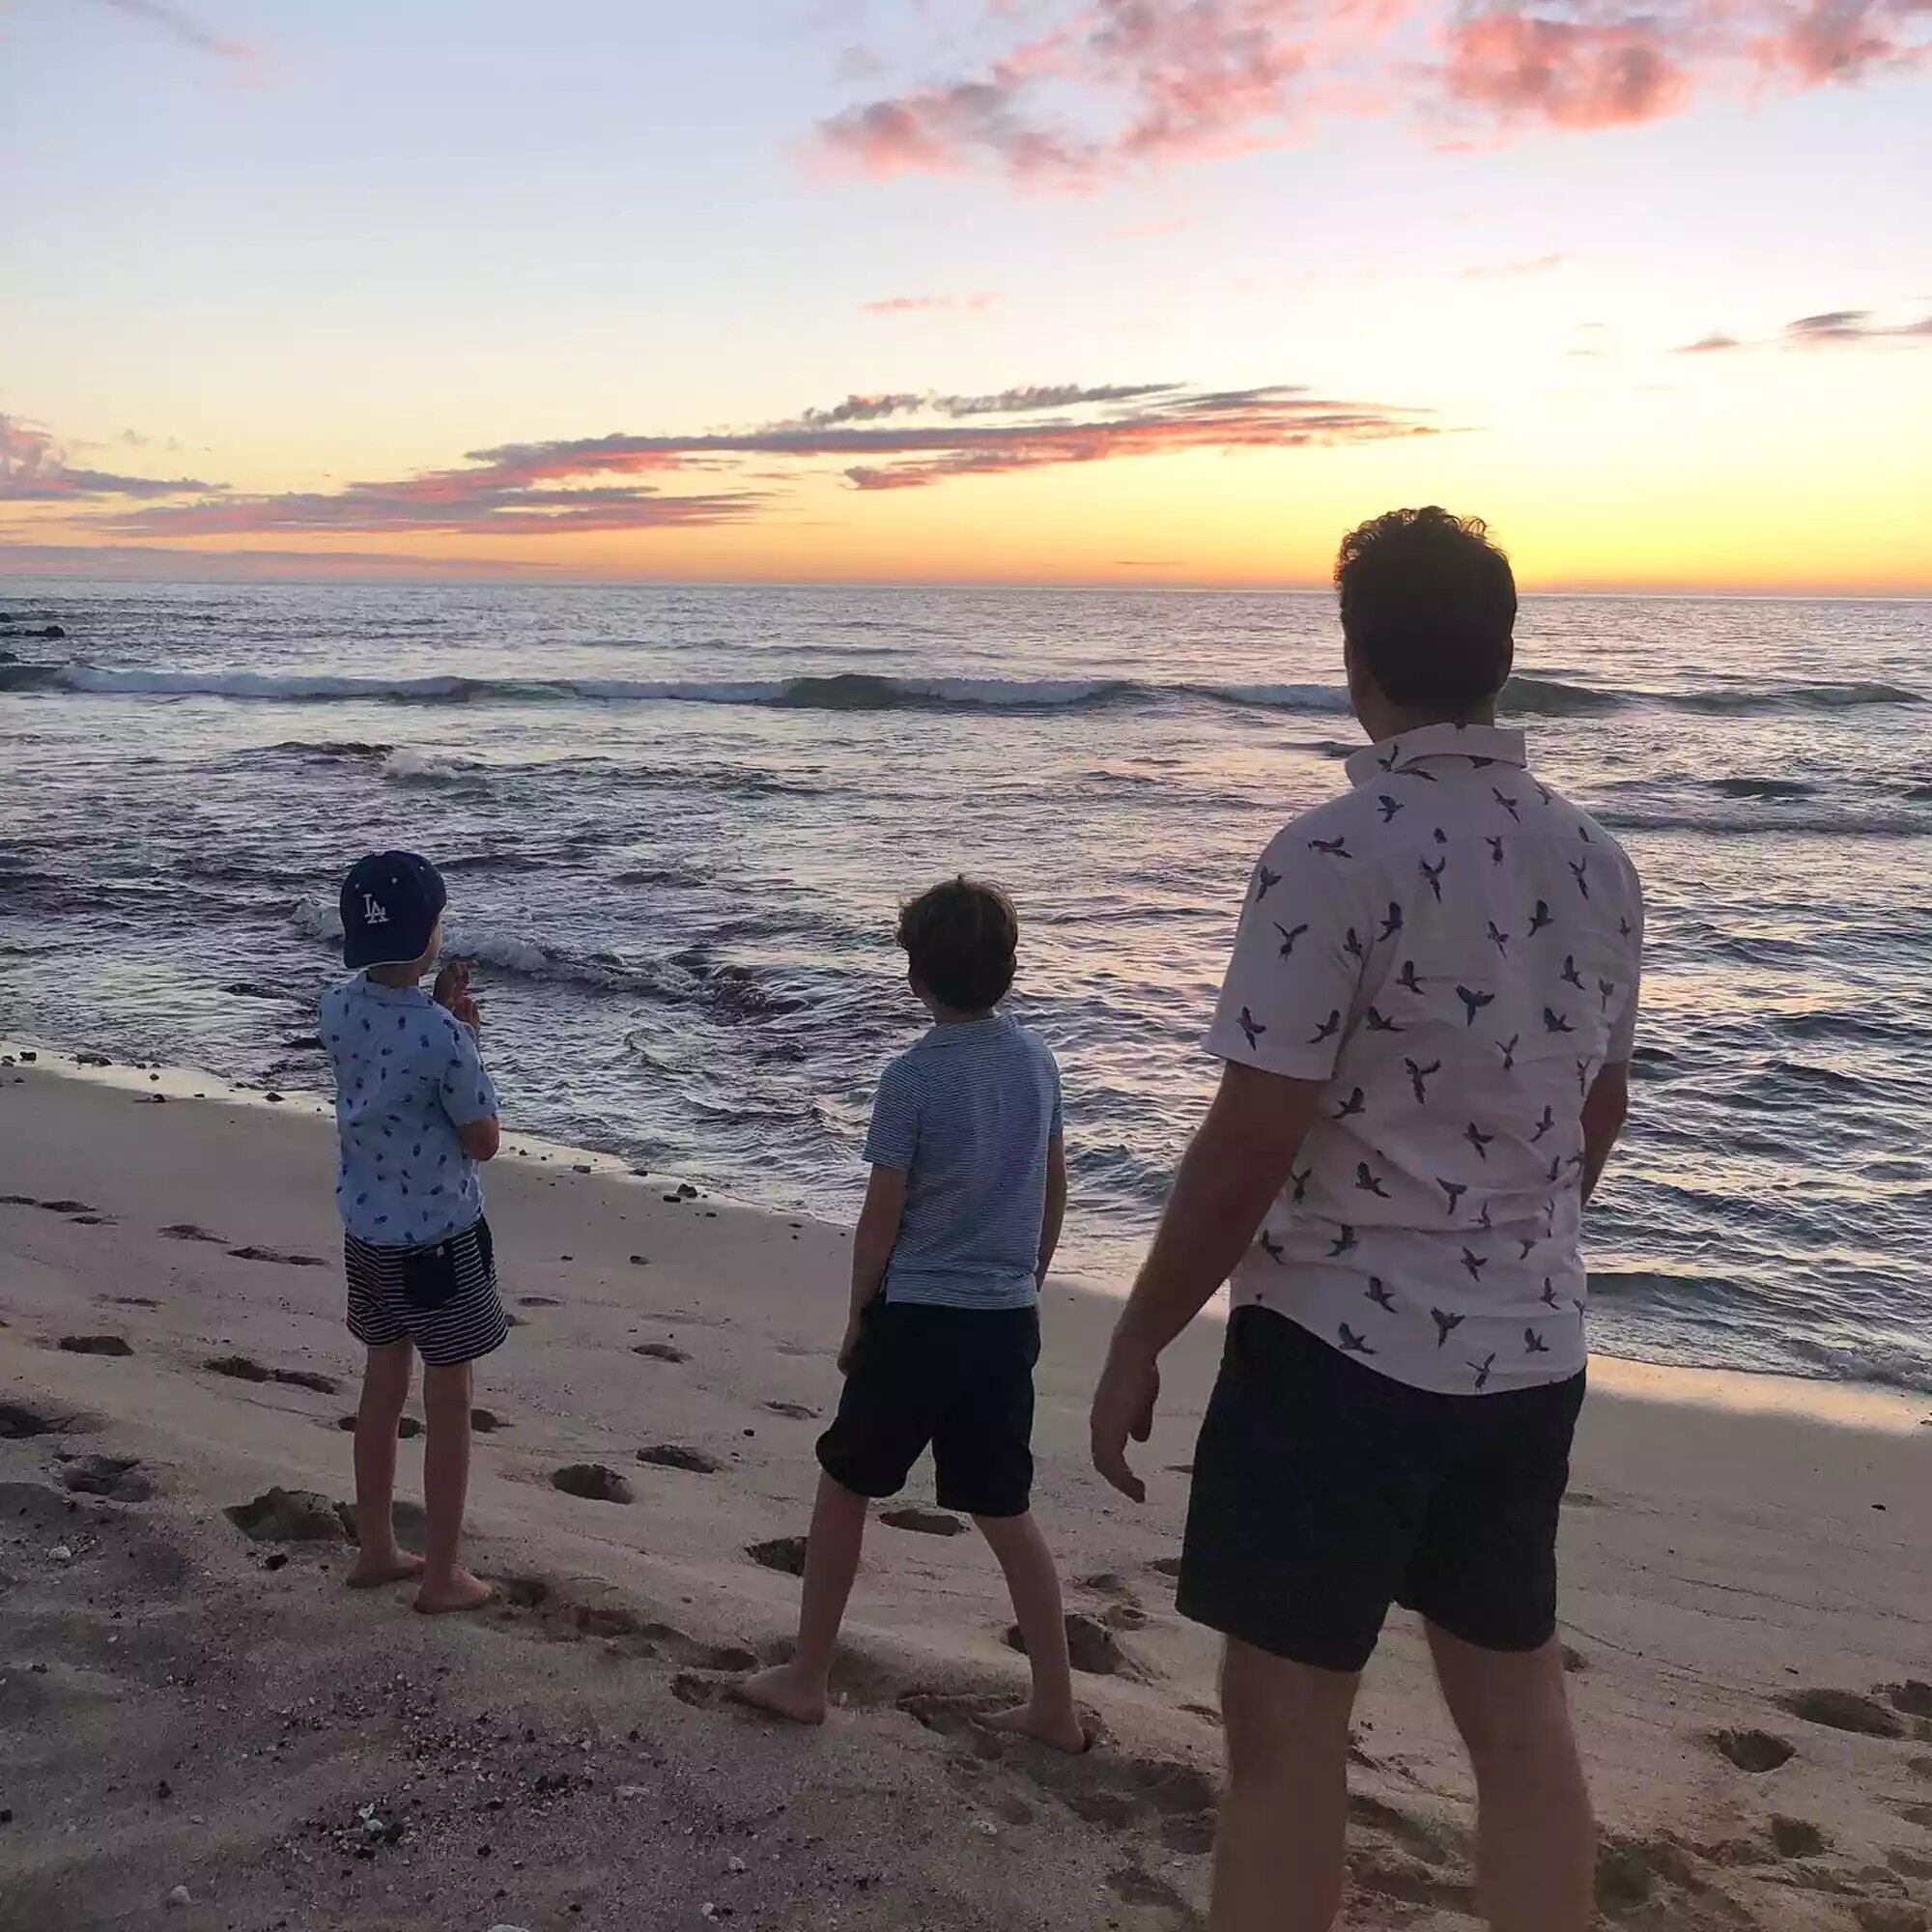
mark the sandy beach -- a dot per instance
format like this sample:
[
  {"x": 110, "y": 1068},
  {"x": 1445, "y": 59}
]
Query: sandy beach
[{"x": 202, "y": 1728}]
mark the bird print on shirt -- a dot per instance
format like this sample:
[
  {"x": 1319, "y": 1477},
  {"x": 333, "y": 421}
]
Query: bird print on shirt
[
  {"x": 1571, "y": 976},
  {"x": 1483, "y": 1369},
  {"x": 1507, "y": 1048},
  {"x": 1555, "y": 1022},
  {"x": 1455, "y": 1189},
  {"x": 1273, "y": 1249},
  {"x": 1253, "y": 1027},
  {"x": 1534, "y": 1344},
  {"x": 1408, "y": 980},
  {"x": 1508, "y": 804},
  {"x": 1433, "y": 874},
  {"x": 1539, "y": 918},
  {"x": 1390, "y": 807},
  {"x": 1375, "y": 1022},
  {"x": 1418, "y": 1078},
  {"x": 1495, "y": 846},
  {"x": 1544, "y": 1126},
  {"x": 1288, "y": 938},
  {"x": 1351, "y": 945},
  {"x": 1299, "y": 1180},
  {"x": 1392, "y": 924},
  {"x": 1501, "y": 940},
  {"x": 1333, "y": 848},
  {"x": 1604, "y": 989},
  {"x": 1580, "y": 871},
  {"x": 1445, "y": 1325},
  {"x": 1379, "y": 1295},
  {"x": 1264, "y": 883},
  {"x": 1368, "y": 1181},
  {"x": 1354, "y": 1344},
  {"x": 1549, "y": 1296},
  {"x": 1345, "y": 1241},
  {"x": 1473, "y": 1001},
  {"x": 1478, "y": 1140},
  {"x": 1474, "y": 1262},
  {"x": 1351, "y": 1106},
  {"x": 1328, "y": 1028}
]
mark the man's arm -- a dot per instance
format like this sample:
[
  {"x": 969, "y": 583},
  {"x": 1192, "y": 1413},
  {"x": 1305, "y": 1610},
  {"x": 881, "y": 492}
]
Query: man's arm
[
  {"x": 482, "y": 1138},
  {"x": 1605, "y": 1109},
  {"x": 1232, "y": 1171},
  {"x": 1055, "y": 1215},
  {"x": 873, "y": 1242}
]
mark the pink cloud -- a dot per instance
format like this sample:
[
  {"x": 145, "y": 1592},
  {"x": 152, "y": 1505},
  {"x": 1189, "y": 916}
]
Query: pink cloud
[
  {"x": 879, "y": 441},
  {"x": 33, "y": 468},
  {"x": 1122, "y": 85},
  {"x": 1830, "y": 329}
]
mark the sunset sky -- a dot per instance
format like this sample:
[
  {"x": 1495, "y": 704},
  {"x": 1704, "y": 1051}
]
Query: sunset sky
[{"x": 1147, "y": 290}]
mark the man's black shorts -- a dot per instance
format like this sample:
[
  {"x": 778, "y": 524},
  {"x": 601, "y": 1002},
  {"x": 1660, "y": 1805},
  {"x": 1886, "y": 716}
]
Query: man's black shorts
[
  {"x": 1324, "y": 1492},
  {"x": 959, "y": 1378}
]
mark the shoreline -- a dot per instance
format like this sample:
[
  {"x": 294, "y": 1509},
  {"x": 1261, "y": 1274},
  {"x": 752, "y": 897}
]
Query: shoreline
[
  {"x": 181, "y": 1705},
  {"x": 1868, "y": 1405}
]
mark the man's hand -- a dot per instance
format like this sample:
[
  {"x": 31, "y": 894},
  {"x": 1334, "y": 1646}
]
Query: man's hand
[
  {"x": 1123, "y": 1406},
  {"x": 453, "y": 991},
  {"x": 848, "y": 1349}
]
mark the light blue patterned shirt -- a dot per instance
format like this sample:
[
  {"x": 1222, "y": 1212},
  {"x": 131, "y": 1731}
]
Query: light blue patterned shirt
[
  {"x": 407, "y": 1076},
  {"x": 966, "y": 1115}
]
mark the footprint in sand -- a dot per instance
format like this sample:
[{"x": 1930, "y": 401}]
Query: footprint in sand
[
  {"x": 281, "y": 1256},
  {"x": 287, "y": 1515},
  {"x": 95, "y": 1345},
  {"x": 1754, "y": 1751},
  {"x": 486, "y": 1421},
  {"x": 406, "y": 1426},
  {"x": 117, "y": 1478},
  {"x": 537, "y": 1302},
  {"x": 133, "y": 1301},
  {"x": 245, "y": 1369},
  {"x": 1843, "y": 1711},
  {"x": 19, "y": 1421},
  {"x": 1797, "y": 1838},
  {"x": 661, "y": 1351},
  {"x": 795, "y": 1411},
  {"x": 1165, "y": 1566},
  {"x": 591, "y": 1481},
  {"x": 186, "y": 1231},
  {"x": 1091, "y": 1646},
  {"x": 783, "y": 1553},
  {"x": 676, "y": 1456},
  {"x": 923, "y": 1521},
  {"x": 1914, "y": 1696}
]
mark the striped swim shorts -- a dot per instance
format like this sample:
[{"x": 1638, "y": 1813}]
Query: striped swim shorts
[{"x": 468, "y": 1320}]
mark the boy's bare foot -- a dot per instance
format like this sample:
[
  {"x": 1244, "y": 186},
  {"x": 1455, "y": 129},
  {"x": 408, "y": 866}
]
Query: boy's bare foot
[
  {"x": 461, "y": 1592},
  {"x": 395, "y": 1566},
  {"x": 783, "y": 1695},
  {"x": 1063, "y": 1733}
]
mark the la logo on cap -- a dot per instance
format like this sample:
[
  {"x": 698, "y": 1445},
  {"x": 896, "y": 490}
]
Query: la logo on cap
[{"x": 374, "y": 912}]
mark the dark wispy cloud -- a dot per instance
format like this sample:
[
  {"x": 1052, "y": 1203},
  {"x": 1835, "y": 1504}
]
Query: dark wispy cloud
[
  {"x": 1830, "y": 328},
  {"x": 972, "y": 304},
  {"x": 1082, "y": 91},
  {"x": 184, "y": 28},
  {"x": 895, "y": 441},
  {"x": 33, "y": 468}
]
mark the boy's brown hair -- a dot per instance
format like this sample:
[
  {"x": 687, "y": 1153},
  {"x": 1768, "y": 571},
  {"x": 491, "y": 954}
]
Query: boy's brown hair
[{"x": 962, "y": 938}]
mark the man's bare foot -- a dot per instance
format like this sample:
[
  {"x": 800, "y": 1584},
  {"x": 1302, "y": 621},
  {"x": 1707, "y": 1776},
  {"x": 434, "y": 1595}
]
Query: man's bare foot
[
  {"x": 393, "y": 1566},
  {"x": 783, "y": 1695},
  {"x": 461, "y": 1592},
  {"x": 1062, "y": 1732}
]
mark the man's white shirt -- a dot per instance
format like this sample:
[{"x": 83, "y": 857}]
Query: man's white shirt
[{"x": 1455, "y": 950}]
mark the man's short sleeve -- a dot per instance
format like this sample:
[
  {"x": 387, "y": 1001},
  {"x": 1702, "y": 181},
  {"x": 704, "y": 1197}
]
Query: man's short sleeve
[
  {"x": 895, "y": 1129},
  {"x": 468, "y": 1093},
  {"x": 1286, "y": 1004}
]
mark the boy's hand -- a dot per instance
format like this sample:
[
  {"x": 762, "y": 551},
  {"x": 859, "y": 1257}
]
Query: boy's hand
[
  {"x": 453, "y": 991},
  {"x": 1123, "y": 1406}
]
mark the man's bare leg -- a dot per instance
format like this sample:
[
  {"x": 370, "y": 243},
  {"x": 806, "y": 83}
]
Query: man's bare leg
[
  {"x": 800, "y": 1689},
  {"x": 446, "y": 1585},
  {"x": 386, "y": 1388},
  {"x": 1278, "y": 1855},
  {"x": 1536, "y": 1839},
  {"x": 1035, "y": 1584}
]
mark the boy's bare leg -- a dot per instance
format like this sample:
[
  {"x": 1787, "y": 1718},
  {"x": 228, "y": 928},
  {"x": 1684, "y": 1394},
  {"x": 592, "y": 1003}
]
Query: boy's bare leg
[
  {"x": 799, "y": 1690},
  {"x": 1278, "y": 1855},
  {"x": 386, "y": 1387},
  {"x": 446, "y": 1585},
  {"x": 1536, "y": 1841},
  {"x": 1035, "y": 1584}
]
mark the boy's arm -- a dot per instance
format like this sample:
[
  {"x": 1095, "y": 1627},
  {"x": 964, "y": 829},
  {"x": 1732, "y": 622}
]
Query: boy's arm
[
  {"x": 470, "y": 1096},
  {"x": 1054, "y": 1215},
  {"x": 872, "y": 1244}
]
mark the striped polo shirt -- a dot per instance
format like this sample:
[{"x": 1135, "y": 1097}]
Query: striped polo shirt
[{"x": 966, "y": 1116}]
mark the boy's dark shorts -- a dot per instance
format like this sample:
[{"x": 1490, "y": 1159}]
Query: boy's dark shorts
[
  {"x": 469, "y": 1321},
  {"x": 1324, "y": 1492},
  {"x": 959, "y": 1378}
]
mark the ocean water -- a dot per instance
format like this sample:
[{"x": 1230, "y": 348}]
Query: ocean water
[{"x": 677, "y": 823}]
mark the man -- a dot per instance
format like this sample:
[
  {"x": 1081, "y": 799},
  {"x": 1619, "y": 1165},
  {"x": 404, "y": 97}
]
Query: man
[{"x": 1426, "y": 1027}]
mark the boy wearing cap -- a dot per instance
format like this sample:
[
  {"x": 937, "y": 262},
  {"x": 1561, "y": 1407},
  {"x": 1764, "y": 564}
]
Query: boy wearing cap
[{"x": 415, "y": 1112}]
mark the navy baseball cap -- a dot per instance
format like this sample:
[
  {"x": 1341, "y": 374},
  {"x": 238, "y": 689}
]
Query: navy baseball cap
[{"x": 391, "y": 905}]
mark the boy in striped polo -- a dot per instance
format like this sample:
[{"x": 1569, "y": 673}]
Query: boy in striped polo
[
  {"x": 416, "y": 1114},
  {"x": 961, "y": 1222}
]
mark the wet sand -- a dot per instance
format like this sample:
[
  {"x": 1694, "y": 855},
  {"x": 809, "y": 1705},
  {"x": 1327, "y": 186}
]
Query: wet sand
[{"x": 183, "y": 1704}]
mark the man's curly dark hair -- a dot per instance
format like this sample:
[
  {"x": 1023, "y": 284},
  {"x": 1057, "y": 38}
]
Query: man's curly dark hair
[{"x": 1428, "y": 603}]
